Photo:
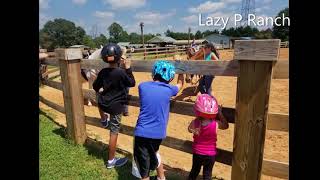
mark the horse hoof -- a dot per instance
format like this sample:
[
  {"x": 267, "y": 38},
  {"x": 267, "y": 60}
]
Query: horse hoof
[{"x": 89, "y": 103}]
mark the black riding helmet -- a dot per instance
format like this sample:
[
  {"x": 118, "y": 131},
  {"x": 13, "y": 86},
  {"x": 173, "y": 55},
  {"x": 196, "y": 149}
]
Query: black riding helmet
[{"x": 111, "y": 53}]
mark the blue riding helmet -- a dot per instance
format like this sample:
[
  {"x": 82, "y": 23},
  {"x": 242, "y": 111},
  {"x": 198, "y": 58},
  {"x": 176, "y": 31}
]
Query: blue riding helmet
[{"x": 165, "y": 69}]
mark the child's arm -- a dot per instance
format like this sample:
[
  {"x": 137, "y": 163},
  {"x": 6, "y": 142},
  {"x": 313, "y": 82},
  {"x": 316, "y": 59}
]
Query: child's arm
[
  {"x": 222, "y": 122},
  {"x": 192, "y": 128},
  {"x": 98, "y": 83},
  {"x": 129, "y": 78},
  {"x": 180, "y": 81}
]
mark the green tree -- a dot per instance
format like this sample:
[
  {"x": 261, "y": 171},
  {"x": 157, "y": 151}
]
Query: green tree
[
  {"x": 135, "y": 38},
  {"x": 117, "y": 33},
  {"x": 198, "y": 35},
  {"x": 60, "y": 33},
  {"x": 208, "y": 32},
  {"x": 178, "y": 35},
  {"x": 100, "y": 40},
  {"x": 147, "y": 37},
  {"x": 264, "y": 34},
  {"x": 282, "y": 32},
  {"x": 88, "y": 41}
]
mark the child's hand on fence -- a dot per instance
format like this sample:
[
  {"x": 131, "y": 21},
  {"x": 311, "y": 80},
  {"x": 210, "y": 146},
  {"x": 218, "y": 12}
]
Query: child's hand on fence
[{"x": 127, "y": 63}]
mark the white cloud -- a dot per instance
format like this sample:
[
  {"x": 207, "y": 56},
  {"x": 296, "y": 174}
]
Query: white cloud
[
  {"x": 104, "y": 14},
  {"x": 125, "y": 4},
  {"x": 267, "y": 1},
  {"x": 79, "y": 2},
  {"x": 232, "y": 1},
  {"x": 207, "y": 7},
  {"x": 152, "y": 17},
  {"x": 44, "y": 4},
  {"x": 43, "y": 18},
  {"x": 262, "y": 9},
  {"x": 190, "y": 19}
]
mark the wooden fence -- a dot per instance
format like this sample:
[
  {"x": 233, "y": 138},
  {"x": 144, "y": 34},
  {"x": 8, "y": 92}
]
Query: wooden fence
[
  {"x": 155, "y": 52},
  {"x": 254, "y": 64}
]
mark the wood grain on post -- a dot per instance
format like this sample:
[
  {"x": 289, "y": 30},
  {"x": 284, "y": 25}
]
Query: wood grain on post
[
  {"x": 256, "y": 59},
  {"x": 69, "y": 61}
]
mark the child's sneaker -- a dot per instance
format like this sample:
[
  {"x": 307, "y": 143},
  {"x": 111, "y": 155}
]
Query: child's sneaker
[
  {"x": 117, "y": 162},
  {"x": 104, "y": 123}
]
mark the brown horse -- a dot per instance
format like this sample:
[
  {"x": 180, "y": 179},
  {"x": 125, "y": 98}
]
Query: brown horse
[{"x": 194, "y": 54}]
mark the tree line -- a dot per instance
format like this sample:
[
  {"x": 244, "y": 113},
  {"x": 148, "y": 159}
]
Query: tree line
[{"x": 63, "y": 33}]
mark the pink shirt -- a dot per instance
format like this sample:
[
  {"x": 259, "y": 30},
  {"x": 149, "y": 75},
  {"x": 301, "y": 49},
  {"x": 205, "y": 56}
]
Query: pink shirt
[{"x": 205, "y": 142}]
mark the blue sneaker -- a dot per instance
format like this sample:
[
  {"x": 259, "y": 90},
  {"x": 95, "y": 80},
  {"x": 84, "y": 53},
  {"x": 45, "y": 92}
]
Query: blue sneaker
[
  {"x": 117, "y": 162},
  {"x": 104, "y": 123}
]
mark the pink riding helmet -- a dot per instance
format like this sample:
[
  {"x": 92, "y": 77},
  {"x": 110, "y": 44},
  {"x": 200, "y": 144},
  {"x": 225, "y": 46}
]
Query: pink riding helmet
[{"x": 206, "y": 106}]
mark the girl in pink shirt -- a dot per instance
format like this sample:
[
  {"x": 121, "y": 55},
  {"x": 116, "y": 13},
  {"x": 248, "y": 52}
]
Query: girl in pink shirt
[{"x": 204, "y": 128}]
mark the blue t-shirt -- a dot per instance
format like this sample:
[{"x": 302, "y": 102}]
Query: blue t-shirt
[{"x": 154, "y": 109}]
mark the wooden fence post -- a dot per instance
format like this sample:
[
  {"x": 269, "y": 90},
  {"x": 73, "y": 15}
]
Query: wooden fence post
[
  {"x": 256, "y": 59},
  {"x": 144, "y": 54},
  {"x": 156, "y": 52},
  {"x": 69, "y": 61}
]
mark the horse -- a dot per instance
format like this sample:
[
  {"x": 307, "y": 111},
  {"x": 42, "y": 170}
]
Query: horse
[
  {"x": 91, "y": 74},
  {"x": 194, "y": 53}
]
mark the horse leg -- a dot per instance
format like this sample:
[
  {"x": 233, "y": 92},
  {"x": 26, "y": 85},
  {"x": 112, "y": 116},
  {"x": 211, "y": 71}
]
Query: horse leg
[{"x": 188, "y": 79}]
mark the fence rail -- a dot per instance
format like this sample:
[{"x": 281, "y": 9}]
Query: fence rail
[
  {"x": 255, "y": 63},
  {"x": 218, "y": 68},
  {"x": 269, "y": 167}
]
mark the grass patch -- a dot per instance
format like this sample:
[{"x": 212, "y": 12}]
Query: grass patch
[{"x": 61, "y": 159}]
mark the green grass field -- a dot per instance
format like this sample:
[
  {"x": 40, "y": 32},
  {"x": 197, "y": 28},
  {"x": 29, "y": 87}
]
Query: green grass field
[{"x": 61, "y": 159}]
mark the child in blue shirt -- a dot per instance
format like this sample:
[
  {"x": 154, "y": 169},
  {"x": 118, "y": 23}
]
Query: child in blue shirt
[{"x": 152, "y": 122}]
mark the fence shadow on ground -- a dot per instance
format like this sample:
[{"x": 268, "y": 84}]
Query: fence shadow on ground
[{"x": 186, "y": 92}]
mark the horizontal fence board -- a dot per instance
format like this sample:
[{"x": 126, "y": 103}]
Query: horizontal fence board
[
  {"x": 276, "y": 121},
  {"x": 53, "y": 84},
  {"x": 281, "y": 70},
  {"x": 219, "y": 68},
  {"x": 52, "y": 104},
  {"x": 275, "y": 168},
  {"x": 269, "y": 167},
  {"x": 50, "y": 61},
  {"x": 186, "y": 108}
]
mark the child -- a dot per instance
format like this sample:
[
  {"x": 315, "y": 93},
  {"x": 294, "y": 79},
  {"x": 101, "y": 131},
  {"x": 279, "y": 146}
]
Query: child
[
  {"x": 204, "y": 127},
  {"x": 210, "y": 54},
  {"x": 152, "y": 122},
  {"x": 111, "y": 85}
]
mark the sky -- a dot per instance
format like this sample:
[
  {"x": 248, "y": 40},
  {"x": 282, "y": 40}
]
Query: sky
[{"x": 157, "y": 15}]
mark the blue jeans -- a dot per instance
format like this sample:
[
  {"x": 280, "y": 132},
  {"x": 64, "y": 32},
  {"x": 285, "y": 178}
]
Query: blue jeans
[{"x": 205, "y": 84}]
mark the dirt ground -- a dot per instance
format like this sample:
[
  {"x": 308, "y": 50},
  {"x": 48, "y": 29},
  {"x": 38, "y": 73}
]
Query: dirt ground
[{"x": 224, "y": 89}]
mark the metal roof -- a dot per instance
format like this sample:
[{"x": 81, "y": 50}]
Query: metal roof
[
  {"x": 197, "y": 41},
  {"x": 160, "y": 39},
  {"x": 123, "y": 43},
  {"x": 216, "y": 35}
]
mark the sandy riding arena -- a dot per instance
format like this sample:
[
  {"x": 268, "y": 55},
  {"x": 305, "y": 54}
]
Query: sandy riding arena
[{"x": 224, "y": 89}]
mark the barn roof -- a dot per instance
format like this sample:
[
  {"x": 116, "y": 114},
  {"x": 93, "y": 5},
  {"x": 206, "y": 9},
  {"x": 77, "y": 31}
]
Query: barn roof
[
  {"x": 160, "y": 39},
  {"x": 197, "y": 41},
  {"x": 220, "y": 35},
  {"x": 123, "y": 43}
]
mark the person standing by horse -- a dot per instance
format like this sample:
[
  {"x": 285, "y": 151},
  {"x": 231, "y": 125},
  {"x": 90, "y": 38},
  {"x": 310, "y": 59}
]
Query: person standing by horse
[{"x": 210, "y": 53}]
